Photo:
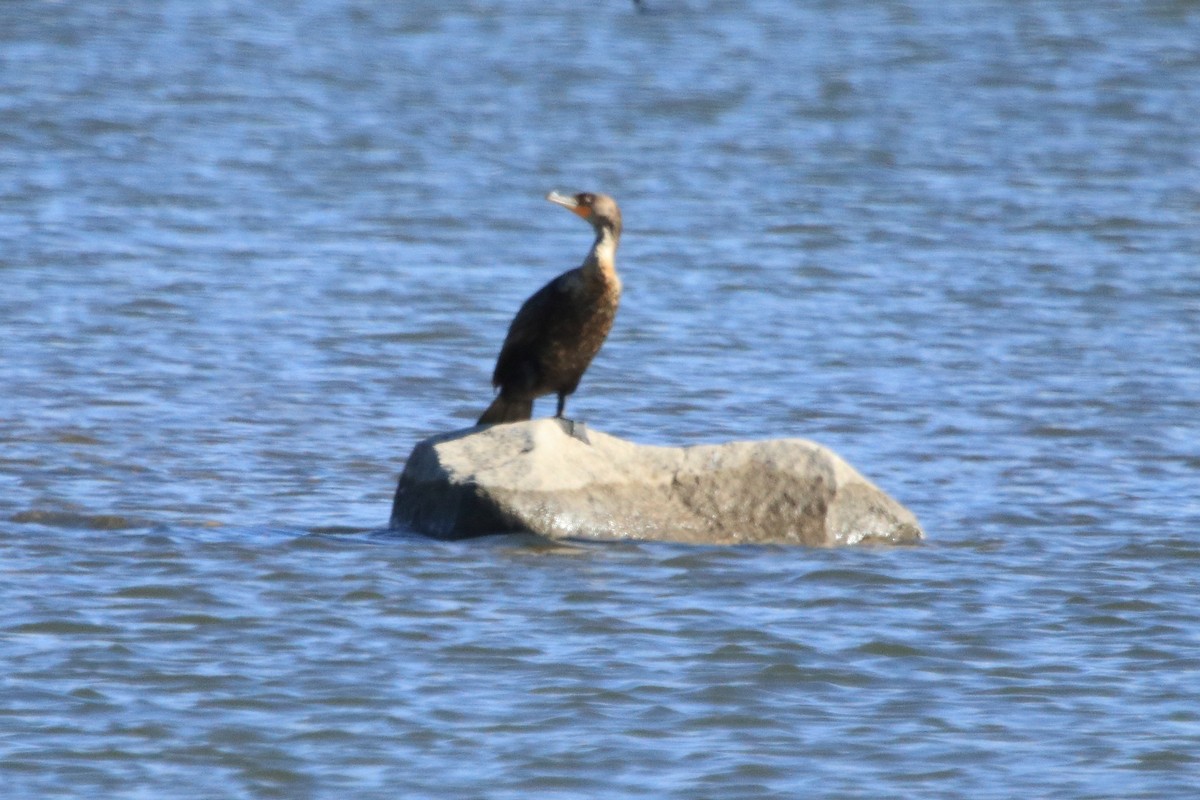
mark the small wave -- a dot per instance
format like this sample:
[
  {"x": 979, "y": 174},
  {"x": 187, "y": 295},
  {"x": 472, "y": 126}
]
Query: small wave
[{"x": 72, "y": 519}]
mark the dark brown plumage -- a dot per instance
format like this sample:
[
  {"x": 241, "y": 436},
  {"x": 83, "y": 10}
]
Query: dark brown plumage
[{"x": 558, "y": 330}]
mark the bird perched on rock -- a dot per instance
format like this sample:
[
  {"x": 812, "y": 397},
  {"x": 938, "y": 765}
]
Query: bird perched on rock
[{"x": 558, "y": 330}]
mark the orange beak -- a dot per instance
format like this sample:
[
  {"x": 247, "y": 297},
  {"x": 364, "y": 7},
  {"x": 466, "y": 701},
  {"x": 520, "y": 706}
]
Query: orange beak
[{"x": 570, "y": 203}]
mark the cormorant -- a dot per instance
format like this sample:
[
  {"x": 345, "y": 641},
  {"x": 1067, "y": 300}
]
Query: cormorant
[{"x": 560, "y": 328}]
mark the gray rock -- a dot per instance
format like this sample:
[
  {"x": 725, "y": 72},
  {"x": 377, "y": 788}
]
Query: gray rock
[{"x": 534, "y": 476}]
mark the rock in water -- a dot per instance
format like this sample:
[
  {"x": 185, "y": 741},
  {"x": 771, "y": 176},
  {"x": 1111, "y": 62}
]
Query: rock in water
[{"x": 534, "y": 476}]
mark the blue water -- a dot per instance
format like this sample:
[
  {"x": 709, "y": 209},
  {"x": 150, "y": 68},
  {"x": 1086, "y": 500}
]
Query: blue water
[{"x": 250, "y": 253}]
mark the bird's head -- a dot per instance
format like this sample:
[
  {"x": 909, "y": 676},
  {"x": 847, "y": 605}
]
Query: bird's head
[{"x": 598, "y": 209}]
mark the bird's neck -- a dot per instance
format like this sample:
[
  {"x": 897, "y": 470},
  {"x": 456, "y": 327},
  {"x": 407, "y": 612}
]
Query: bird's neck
[{"x": 601, "y": 261}]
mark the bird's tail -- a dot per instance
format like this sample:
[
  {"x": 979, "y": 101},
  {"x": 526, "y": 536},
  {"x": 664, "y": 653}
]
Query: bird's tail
[{"x": 507, "y": 409}]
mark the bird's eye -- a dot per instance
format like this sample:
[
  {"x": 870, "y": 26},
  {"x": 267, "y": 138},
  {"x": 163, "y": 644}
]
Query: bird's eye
[{"x": 585, "y": 199}]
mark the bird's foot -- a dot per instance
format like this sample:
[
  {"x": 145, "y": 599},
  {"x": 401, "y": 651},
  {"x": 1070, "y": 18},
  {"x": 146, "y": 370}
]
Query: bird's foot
[{"x": 574, "y": 429}]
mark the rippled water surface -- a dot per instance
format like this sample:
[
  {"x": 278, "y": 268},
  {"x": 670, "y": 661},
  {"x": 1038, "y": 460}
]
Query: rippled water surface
[{"x": 250, "y": 253}]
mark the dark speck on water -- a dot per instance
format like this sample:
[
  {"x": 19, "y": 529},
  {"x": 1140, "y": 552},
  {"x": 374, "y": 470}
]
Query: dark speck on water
[{"x": 251, "y": 253}]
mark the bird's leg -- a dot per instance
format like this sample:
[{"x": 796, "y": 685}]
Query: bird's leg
[{"x": 576, "y": 430}]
